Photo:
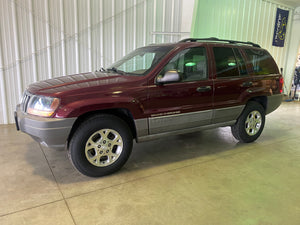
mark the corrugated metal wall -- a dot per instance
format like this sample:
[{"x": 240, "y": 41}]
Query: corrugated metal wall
[
  {"x": 243, "y": 20},
  {"x": 42, "y": 39}
]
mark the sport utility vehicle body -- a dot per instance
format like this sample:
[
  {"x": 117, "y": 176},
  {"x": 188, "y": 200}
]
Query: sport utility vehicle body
[{"x": 155, "y": 91}]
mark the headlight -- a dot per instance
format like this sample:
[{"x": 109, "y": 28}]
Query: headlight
[{"x": 42, "y": 106}]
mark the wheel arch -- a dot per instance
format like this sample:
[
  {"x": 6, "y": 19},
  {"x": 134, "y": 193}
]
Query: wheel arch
[
  {"x": 241, "y": 130},
  {"x": 263, "y": 100},
  {"x": 121, "y": 113}
]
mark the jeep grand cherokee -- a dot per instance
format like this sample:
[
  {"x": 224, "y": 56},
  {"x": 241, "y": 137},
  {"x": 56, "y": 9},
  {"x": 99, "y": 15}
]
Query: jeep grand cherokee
[{"x": 155, "y": 91}]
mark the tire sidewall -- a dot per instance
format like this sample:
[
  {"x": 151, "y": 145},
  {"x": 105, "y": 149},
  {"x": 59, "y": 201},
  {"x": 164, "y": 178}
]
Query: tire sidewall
[
  {"x": 84, "y": 132},
  {"x": 240, "y": 130}
]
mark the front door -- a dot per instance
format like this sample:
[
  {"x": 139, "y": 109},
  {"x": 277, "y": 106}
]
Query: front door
[{"x": 184, "y": 104}]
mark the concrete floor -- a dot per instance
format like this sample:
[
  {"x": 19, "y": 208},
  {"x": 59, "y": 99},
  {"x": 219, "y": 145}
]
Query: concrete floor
[{"x": 201, "y": 178}]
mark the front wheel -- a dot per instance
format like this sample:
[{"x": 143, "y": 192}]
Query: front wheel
[
  {"x": 100, "y": 146},
  {"x": 250, "y": 124}
]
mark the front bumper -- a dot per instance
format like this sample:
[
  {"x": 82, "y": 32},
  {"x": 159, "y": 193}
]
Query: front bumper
[{"x": 50, "y": 132}]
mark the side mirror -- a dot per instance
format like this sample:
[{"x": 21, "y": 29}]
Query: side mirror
[{"x": 169, "y": 77}]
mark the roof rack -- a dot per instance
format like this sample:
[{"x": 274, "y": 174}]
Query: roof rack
[{"x": 221, "y": 40}]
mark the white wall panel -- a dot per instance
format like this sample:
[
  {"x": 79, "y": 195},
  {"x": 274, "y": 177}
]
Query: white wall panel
[{"x": 41, "y": 39}]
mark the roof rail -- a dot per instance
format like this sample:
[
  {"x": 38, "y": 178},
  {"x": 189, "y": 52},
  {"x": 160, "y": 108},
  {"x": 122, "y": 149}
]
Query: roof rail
[{"x": 221, "y": 40}]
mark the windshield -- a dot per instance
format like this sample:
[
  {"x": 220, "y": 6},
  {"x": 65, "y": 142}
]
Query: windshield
[{"x": 140, "y": 61}]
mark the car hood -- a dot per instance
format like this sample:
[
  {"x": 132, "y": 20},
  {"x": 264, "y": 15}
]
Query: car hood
[{"x": 78, "y": 81}]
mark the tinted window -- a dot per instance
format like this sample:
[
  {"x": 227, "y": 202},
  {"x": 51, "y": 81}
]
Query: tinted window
[
  {"x": 262, "y": 62},
  {"x": 191, "y": 64},
  {"x": 240, "y": 62},
  {"x": 226, "y": 64}
]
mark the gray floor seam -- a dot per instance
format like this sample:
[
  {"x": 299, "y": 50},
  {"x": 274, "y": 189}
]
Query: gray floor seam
[
  {"x": 153, "y": 175},
  {"x": 34, "y": 207},
  {"x": 64, "y": 199}
]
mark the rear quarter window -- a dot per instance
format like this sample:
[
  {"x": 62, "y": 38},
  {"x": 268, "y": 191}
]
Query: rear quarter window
[{"x": 262, "y": 62}]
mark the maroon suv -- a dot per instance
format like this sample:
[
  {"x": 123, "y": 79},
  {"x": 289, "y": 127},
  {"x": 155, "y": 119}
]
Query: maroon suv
[{"x": 155, "y": 91}]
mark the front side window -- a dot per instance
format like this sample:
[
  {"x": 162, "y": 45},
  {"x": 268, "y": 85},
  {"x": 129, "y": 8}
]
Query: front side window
[
  {"x": 226, "y": 64},
  {"x": 140, "y": 61},
  {"x": 261, "y": 61},
  {"x": 191, "y": 64}
]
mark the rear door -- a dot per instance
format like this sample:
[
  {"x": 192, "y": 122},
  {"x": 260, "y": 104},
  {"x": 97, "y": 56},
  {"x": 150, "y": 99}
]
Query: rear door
[{"x": 232, "y": 84}]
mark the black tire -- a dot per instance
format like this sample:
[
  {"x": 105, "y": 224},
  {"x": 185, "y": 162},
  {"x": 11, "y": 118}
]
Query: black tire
[
  {"x": 250, "y": 123},
  {"x": 101, "y": 145}
]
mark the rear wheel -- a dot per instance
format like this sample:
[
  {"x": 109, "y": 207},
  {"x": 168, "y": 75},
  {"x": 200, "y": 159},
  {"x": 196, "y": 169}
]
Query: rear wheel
[
  {"x": 250, "y": 124},
  {"x": 101, "y": 145}
]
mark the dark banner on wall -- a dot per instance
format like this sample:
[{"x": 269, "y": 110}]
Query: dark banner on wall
[{"x": 280, "y": 27}]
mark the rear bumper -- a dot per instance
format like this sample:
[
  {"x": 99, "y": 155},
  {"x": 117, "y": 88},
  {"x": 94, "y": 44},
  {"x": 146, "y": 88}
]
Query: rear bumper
[
  {"x": 50, "y": 132},
  {"x": 274, "y": 102}
]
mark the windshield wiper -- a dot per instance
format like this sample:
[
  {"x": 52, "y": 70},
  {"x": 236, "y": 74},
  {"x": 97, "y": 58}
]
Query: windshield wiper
[
  {"x": 101, "y": 70},
  {"x": 114, "y": 69}
]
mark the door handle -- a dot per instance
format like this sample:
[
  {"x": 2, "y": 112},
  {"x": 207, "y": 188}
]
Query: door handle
[
  {"x": 247, "y": 84},
  {"x": 203, "y": 89}
]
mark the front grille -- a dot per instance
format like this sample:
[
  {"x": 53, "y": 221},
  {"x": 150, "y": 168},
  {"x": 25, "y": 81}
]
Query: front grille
[{"x": 25, "y": 100}]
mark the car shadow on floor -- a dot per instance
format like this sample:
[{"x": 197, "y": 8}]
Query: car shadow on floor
[
  {"x": 185, "y": 147},
  {"x": 155, "y": 155}
]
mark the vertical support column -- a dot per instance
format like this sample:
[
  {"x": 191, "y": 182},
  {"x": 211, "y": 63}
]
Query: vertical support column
[
  {"x": 250, "y": 8},
  {"x": 291, "y": 46},
  {"x": 17, "y": 49},
  {"x": 48, "y": 36},
  {"x": 269, "y": 31},
  {"x": 62, "y": 36},
  {"x": 145, "y": 30},
  {"x": 134, "y": 31},
  {"x": 231, "y": 19},
  {"x": 2, "y": 86},
  {"x": 262, "y": 34},
  {"x": 113, "y": 30},
  {"x": 145, "y": 23},
  {"x": 154, "y": 21},
  {"x": 172, "y": 21},
  {"x": 124, "y": 28},
  {"x": 90, "y": 36},
  {"x": 33, "y": 46},
  {"x": 254, "y": 17},
  {"x": 187, "y": 12},
  {"x": 134, "y": 24},
  {"x": 76, "y": 36},
  {"x": 102, "y": 33},
  {"x": 236, "y": 31},
  {"x": 256, "y": 39},
  {"x": 163, "y": 20}
]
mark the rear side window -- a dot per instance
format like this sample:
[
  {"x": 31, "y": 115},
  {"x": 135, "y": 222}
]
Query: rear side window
[
  {"x": 240, "y": 62},
  {"x": 261, "y": 61},
  {"x": 226, "y": 64}
]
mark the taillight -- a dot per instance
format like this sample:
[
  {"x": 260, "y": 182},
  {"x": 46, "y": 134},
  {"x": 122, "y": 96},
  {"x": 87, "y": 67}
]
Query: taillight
[{"x": 281, "y": 84}]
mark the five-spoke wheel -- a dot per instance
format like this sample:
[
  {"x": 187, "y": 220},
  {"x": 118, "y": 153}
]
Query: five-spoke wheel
[
  {"x": 104, "y": 147},
  {"x": 253, "y": 123}
]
